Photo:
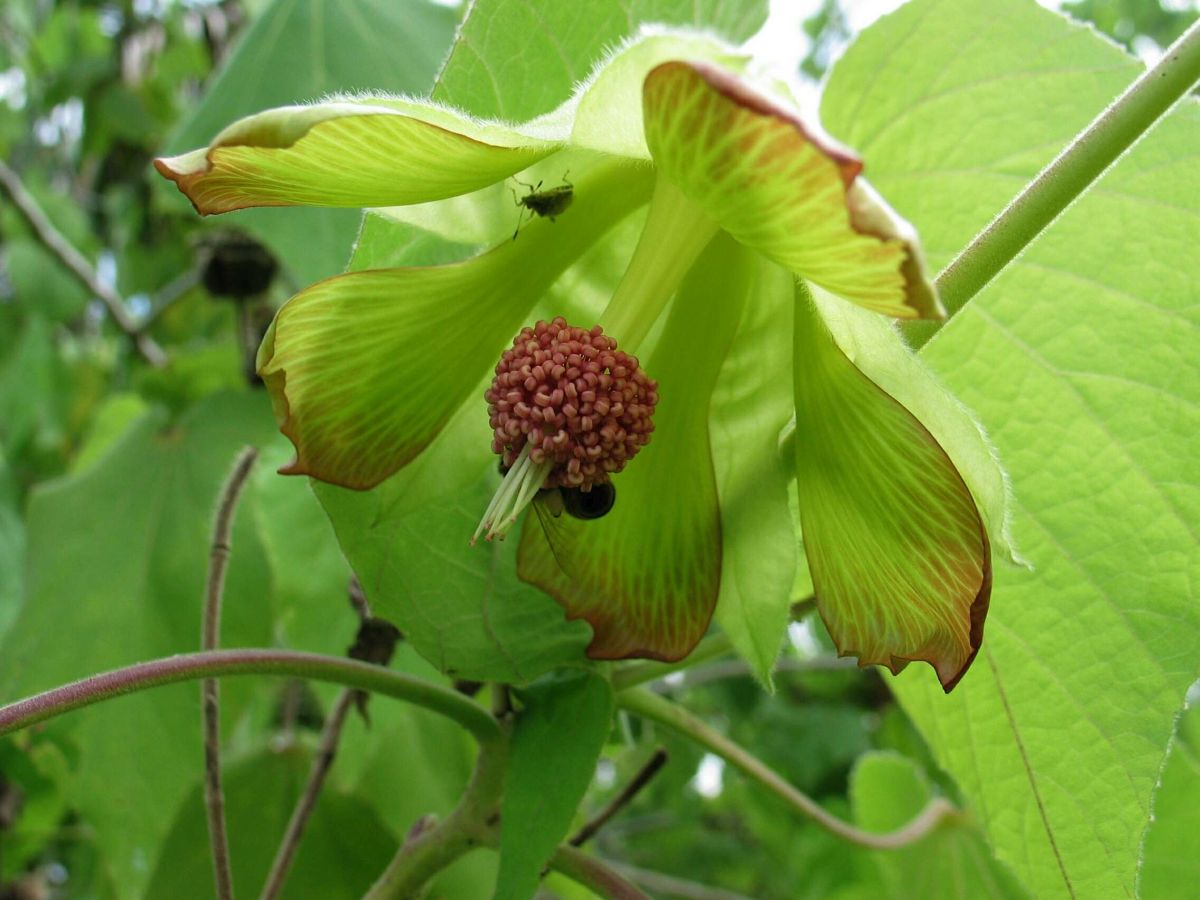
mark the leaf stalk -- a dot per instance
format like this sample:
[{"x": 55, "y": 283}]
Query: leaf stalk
[{"x": 1079, "y": 164}]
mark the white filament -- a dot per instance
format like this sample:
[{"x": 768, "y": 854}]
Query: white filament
[{"x": 516, "y": 491}]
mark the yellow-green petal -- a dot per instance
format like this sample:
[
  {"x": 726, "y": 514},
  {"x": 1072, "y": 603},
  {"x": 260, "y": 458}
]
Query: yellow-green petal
[
  {"x": 751, "y": 405},
  {"x": 875, "y": 345},
  {"x": 784, "y": 187},
  {"x": 606, "y": 113},
  {"x": 366, "y": 368},
  {"x": 350, "y": 153},
  {"x": 647, "y": 575},
  {"x": 897, "y": 550}
]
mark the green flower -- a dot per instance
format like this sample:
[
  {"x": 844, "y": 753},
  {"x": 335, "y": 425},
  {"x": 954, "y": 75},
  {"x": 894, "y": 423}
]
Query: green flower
[{"x": 759, "y": 294}]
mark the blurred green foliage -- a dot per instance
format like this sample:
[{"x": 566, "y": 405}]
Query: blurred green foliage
[{"x": 1133, "y": 22}]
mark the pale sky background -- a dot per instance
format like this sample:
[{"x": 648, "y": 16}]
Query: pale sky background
[{"x": 782, "y": 40}]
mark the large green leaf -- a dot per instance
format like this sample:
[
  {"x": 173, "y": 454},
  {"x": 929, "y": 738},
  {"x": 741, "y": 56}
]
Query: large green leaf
[
  {"x": 344, "y": 848},
  {"x": 117, "y": 555},
  {"x": 516, "y": 61},
  {"x": 887, "y": 790},
  {"x": 750, "y": 406},
  {"x": 309, "y": 575},
  {"x": 557, "y": 739},
  {"x": 35, "y": 387},
  {"x": 297, "y": 51},
  {"x": 1080, "y": 358}
]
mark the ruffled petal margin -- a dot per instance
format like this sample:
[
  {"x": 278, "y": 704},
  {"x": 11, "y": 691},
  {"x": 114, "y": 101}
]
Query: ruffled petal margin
[{"x": 783, "y": 187}]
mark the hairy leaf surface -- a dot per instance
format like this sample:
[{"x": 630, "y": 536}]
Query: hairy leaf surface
[{"x": 1080, "y": 358}]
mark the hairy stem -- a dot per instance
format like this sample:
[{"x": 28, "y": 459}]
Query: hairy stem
[
  {"x": 1083, "y": 160},
  {"x": 649, "y": 705},
  {"x": 326, "y": 750},
  {"x": 210, "y": 692},
  {"x": 75, "y": 263},
  {"x": 218, "y": 663}
]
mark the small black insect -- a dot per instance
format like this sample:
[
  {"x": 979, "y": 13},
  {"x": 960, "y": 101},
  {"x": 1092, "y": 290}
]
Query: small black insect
[
  {"x": 578, "y": 504},
  {"x": 550, "y": 203}
]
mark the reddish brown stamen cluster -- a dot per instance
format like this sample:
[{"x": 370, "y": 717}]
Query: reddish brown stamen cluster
[{"x": 575, "y": 399}]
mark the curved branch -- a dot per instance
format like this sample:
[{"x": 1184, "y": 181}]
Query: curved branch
[
  {"x": 470, "y": 824},
  {"x": 644, "y": 776},
  {"x": 326, "y": 750},
  {"x": 75, "y": 263},
  {"x": 216, "y": 663},
  {"x": 649, "y": 705}
]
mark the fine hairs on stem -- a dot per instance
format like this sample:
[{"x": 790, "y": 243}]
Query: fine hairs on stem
[
  {"x": 249, "y": 661},
  {"x": 1075, "y": 169},
  {"x": 218, "y": 561}
]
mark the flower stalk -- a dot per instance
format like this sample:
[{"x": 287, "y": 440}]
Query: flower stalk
[
  {"x": 675, "y": 233},
  {"x": 470, "y": 824}
]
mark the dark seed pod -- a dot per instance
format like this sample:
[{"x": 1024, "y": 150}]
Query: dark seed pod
[
  {"x": 238, "y": 267},
  {"x": 375, "y": 641}
]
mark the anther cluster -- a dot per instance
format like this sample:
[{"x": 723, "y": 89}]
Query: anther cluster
[{"x": 575, "y": 399}]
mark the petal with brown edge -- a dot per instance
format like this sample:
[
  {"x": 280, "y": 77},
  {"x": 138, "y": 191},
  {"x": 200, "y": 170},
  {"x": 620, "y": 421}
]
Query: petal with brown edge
[
  {"x": 348, "y": 153},
  {"x": 647, "y": 575},
  {"x": 898, "y": 552},
  {"x": 783, "y": 187}
]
